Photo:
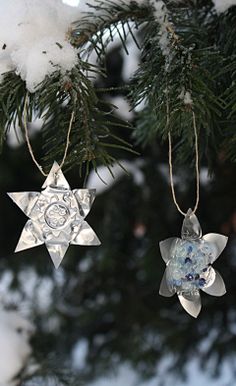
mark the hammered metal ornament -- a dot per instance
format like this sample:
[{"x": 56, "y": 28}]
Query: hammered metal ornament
[
  {"x": 56, "y": 216},
  {"x": 189, "y": 265}
]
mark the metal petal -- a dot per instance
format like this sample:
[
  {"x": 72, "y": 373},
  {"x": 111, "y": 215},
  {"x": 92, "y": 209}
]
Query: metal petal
[
  {"x": 217, "y": 288},
  {"x": 25, "y": 200},
  {"x": 56, "y": 178},
  {"x": 191, "y": 229},
  {"x": 164, "y": 288},
  {"x": 165, "y": 248},
  {"x": 191, "y": 303},
  {"x": 85, "y": 199},
  {"x": 30, "y": 237},
  {"x": 57, "y": 252},
  {"x": 218, "y": 243},
  {"x": 85, "y": 236}
]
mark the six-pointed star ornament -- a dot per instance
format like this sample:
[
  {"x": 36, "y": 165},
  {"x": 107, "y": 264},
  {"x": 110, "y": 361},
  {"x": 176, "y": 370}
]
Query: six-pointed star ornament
[
  {"x": 189, "y": 265},
  {"x": 56, "y": 216}
]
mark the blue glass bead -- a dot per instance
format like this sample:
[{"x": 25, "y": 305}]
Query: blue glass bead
[
  {"x": 188, "y": 268},
  {"x": 189, "y": 277},
  {"x": 202, "y": 282},
  {"x": 177, "y": 283},
  {"x": 188, "y": 260}
]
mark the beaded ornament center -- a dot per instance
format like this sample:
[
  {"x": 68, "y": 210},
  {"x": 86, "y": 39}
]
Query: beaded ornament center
[{"x": 189, "y": 267}]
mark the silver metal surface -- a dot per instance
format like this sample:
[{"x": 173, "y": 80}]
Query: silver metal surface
[
  {"x": 56, "y": 216},
  {"x": 217, "y": 288},
  {"x": 164, "y": 288},
  {"x": 191, "y": 229},
  {"x": 165, "y": 248},
  {"x": 191, "y": 303},
  {"x": 189, "y": 267},
  {"x": 218, "y": 241}
]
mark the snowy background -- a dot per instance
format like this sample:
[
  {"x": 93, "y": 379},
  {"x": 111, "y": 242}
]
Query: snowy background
[{"x": 33, "y": 34}]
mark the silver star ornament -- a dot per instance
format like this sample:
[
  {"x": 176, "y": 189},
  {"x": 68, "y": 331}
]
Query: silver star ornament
[
  {"x": 56, "y": 216},
  {"x": 189, "y": 262}
]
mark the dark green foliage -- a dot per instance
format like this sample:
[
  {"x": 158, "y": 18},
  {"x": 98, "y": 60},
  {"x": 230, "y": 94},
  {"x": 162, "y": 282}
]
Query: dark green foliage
[
  {"x": 57, "y": 97},
  {"x": 110, "y": 294},
  {"x": 192, "y": 66},
  {"x": 200, "y": 61},
  {"x": 95, "y": 135},
  {"x": 228, "y": 47},
  {"x": 12, "y": 92},
  {"x": 91, "y": 131},
  {"x": 114, "y": 19},
  {"x": 49, "y": 374}
]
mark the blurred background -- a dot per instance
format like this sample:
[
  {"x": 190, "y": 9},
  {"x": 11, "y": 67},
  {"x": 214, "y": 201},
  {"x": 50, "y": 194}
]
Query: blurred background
[{"x": 98, "y": 320}]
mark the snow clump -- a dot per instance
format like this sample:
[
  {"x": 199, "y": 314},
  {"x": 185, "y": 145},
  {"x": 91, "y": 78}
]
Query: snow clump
[{"x": 34, "y": 39}]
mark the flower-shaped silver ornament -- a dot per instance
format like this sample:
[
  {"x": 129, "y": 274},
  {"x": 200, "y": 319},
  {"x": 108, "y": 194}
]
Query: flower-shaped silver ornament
[
  {"x": 189, "y": 265},
  {"x": 56, "y": 216}
]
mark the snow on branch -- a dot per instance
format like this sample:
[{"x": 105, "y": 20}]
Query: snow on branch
[
  {"x": 35, "y": 36},
  {"x": 166, "y": 29},
  {"x": 223, "y": 5},
  {"x": 33, "y": 39}
]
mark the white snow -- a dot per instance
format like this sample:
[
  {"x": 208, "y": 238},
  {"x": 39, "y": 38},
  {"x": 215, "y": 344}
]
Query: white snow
[
  {"x": 103, "y": 180},
  {"x": 161, "y": 15},
  {"x": 34, "y": 41},
  {"x": 33, "y": 38},
  {"x": 15, "y": 349},
  {"x": 5, "y": 66},
  {"x": 160, "y": 12},
  {"x": 126, "y": 375},
  {"x": 223, "y": 5},
  {"x": 73, "y": 3},
  {"x": 179, "y": 180},
  {"x": 186, "y": 97},
  {"x": 79, "y": 354},
  {"x": 130, "y": 61},
  {"x": 123, "y": 107},
  {"x": 35, "y": 290}
]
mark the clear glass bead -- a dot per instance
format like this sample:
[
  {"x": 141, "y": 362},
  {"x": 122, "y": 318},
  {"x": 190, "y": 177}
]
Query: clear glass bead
[{"x": 189, "y": 267}]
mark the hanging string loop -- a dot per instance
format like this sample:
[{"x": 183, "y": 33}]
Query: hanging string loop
[
  {"x": 26, "y": 131},
  {"x": 197, "y": 169}
]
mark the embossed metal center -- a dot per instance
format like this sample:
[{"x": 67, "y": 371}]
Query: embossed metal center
[{"x": 56, "y": 215}]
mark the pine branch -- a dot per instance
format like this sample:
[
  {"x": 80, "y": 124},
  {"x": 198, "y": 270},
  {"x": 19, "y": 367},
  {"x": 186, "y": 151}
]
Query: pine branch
[
  {"x": 12, "y": 92},
  {"x": 189, "y": 69},
  {"x": 112, "y": 19},
  {"x": 193, "y": 65},
  {"x": 92, "y": 132},
  {"x": 60, "y": 93}
]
